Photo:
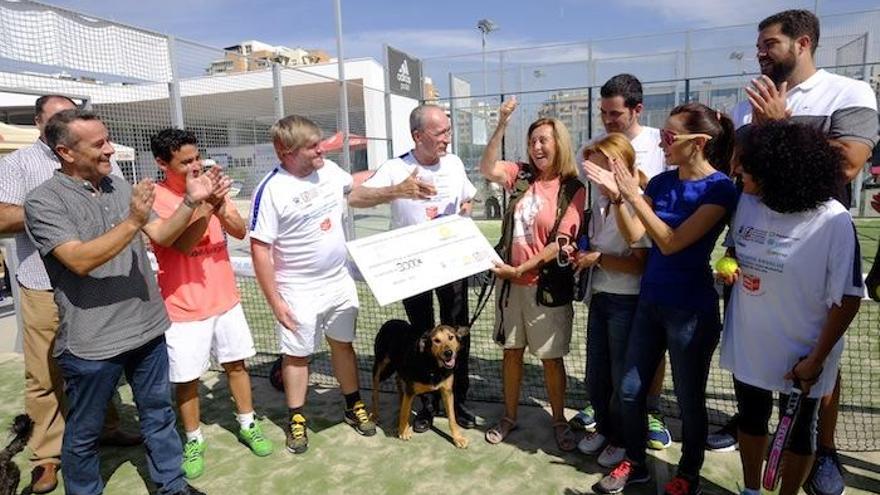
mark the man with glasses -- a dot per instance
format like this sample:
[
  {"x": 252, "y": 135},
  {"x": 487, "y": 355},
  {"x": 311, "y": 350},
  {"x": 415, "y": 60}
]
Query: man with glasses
[
  {"x": 423, "y": 184},
  {"x": 790, "y": 87}
]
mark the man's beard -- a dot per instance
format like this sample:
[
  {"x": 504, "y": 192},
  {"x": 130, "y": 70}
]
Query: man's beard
[{"x": 781, "y": 70}]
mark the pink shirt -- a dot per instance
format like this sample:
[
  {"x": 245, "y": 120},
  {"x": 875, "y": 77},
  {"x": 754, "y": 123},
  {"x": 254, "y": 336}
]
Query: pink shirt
[
  {"x": 534, "y": 218},
  {"x": 198, "y": 285}
]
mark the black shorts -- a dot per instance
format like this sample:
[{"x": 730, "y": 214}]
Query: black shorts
[{"x": 755, "y": 406}]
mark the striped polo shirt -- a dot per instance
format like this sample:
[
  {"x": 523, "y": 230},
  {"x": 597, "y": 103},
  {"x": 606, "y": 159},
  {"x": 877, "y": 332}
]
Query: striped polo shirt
[{"x": 841, "y": 107}]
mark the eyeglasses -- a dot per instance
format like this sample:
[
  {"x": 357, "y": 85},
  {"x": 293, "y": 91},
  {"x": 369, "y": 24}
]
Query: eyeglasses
[{"x": 668, "y": 137}]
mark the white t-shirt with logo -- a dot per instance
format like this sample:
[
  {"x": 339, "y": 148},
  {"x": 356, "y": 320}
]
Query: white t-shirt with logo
[
  {"x": 649, "y": 154},
  {"x": 448, "y": 177},
  {"x": 606, "y": 238},
  {"x": 794, "y": 267},
  {"x": 301, "y": 217}
]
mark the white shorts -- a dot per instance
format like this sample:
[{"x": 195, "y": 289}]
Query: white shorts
[
  {"x": 191, "y": 344},
  {"x": 329, "y": 310}
]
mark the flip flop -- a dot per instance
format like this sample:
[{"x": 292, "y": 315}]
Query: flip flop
[
  {"x": 499, "y": 432},
  {"x": 564, "y": 436}
]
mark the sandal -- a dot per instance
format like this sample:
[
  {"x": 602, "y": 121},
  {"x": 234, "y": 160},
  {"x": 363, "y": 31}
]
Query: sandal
[
  {"x": 499, "y": 432},
  {"x": 564, "y": 436}
]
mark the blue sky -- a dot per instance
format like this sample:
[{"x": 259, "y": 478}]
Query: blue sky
[{"x": 430, "y": 29}]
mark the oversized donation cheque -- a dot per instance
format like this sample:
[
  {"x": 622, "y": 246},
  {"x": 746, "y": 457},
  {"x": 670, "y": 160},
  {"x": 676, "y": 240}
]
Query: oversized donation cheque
[{"x": 411, "y": 260}]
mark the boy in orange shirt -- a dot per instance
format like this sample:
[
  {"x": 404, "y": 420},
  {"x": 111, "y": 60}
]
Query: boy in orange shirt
[{"x": 198, "y": 286}]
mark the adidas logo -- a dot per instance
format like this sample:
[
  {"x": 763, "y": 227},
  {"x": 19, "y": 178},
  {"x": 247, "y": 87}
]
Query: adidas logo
[{"x": 403, "y": 74}]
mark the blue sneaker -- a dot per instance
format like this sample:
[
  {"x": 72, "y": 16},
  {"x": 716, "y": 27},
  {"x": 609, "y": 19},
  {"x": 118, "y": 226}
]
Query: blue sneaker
[
  {"x": 584, "y": 420},
  {"x": 658, "y": 436}
]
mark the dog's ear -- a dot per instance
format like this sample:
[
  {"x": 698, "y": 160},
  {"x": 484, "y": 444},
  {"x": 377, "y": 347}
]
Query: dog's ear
[{"x": 462, "y": 331}]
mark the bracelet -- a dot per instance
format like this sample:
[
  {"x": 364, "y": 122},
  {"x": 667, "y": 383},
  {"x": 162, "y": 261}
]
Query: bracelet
[{"x": 190, "y": 203}]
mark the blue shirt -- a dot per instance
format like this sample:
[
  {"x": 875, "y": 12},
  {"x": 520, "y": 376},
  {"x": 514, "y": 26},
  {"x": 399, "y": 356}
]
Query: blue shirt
[{"x": 684, "y": 279}]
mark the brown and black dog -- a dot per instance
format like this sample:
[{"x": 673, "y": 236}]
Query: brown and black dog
[{"x": 423, "y": 363}]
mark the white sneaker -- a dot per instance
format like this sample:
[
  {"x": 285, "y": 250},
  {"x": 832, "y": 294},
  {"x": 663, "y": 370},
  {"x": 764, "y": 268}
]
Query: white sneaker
[
  {"x": 611, "y": 456},
  {"x": 592, "y": 443}
]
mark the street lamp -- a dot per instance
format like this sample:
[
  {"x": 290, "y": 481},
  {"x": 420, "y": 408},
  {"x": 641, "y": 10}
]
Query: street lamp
[
  {"x": 738, "y": 56},
  {"x": 486, "y": 26}
]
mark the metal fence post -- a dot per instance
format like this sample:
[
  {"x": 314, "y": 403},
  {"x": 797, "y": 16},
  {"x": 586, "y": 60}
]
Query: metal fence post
[
  {"x": 174, "y": 99},
  {"x": 277, "y": 91},
  {"x": 452, "y": 115}
]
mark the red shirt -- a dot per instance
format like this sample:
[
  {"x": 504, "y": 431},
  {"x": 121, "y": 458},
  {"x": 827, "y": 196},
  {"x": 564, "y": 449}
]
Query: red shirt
[{"x": 198, "y": 285}]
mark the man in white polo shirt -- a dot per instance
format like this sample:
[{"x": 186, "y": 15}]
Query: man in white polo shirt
[
  {"x": 299, "y": 255},
  {"x": 620, "y": 108},
  {"x": 421, "y": 185},
  {"x": 845, "y": 109}
]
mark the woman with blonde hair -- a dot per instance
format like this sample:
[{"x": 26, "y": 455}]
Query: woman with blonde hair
[
  {"x": 534, "y": 290},
  {"x": 616, "y": 264}
]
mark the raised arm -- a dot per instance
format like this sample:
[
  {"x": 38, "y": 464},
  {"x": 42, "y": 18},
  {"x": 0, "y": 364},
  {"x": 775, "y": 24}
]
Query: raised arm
[
  {"x": 669, "y": 240},
  {"x": 165, "y": 231},
  {"x": 492, "y": 168},
  {"x": 83, "y": 257}
]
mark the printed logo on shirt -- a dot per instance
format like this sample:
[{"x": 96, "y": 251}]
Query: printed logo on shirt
[
  {"x": 524, "y": 218},
  {"x": 751, "y": 283},
  {"x": 326, "y": 224},
  {"x": 752, "y": 234},
  {"x": 780, "y": 245},
  {"x": 306, "y": 196}
]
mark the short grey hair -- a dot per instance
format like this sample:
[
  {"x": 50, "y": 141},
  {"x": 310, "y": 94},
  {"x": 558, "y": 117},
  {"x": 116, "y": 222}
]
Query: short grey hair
[
  {"x": 58, "y": 128},
  {"x": 417, "y": 116},
  {"x": 294, "y": 131}
]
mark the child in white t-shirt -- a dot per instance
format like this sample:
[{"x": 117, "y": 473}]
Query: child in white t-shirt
[{"x": 797, "y": 287}]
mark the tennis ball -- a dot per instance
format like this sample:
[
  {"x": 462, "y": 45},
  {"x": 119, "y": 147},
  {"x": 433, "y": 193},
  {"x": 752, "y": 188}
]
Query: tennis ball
[{"x": 726, "y": 266}]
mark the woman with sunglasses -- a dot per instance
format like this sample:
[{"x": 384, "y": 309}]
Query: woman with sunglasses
[
  {"x": 683, "y": 211},
  {"x": 615, "y": 264},
  {"x": 796, "y": 248},
  {"x": 529, "y": 222}
]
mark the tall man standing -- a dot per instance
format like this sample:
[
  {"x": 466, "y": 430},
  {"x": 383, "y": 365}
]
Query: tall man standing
[
  {"x": 299, "y": 255},
  {"x": 621, "y": 107},
  {"x": 20, "y": 173},
  {"x": 85, "y": 224},
  {"x": 198, "y": 285},
  {"x": 790, "y": 87},
  {"x": 421, "y": 185}
]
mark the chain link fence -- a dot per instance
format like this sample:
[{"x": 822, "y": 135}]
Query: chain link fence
[{"x": 141, "y": 81}]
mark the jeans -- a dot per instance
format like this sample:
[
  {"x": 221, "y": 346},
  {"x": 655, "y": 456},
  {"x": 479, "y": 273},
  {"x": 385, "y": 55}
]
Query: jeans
[
  {"x": 453, "y": 298},
  {"x": 691, "y": 337},
  {"x": 89, "y": 385},
  {"x": 608, "y": 327}
]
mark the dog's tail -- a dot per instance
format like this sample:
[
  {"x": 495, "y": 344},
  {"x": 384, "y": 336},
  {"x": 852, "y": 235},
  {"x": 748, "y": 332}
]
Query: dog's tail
[{"x": 22, "y": 427}]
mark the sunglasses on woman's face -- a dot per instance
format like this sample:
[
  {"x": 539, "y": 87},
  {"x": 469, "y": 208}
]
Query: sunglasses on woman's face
[{"x": 668, "y": 137}]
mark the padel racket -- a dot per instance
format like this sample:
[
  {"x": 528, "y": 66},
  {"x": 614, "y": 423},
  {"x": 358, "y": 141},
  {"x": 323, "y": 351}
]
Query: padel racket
[{"x": 781, "y": 438}]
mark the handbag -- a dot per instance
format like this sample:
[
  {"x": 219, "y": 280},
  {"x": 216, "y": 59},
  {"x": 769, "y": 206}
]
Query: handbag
[{"x": 555, "y": 282}]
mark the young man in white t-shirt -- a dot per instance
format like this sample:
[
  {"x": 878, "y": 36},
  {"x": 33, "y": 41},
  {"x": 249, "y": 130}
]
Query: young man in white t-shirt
[
  {"x": 620, "y": 108},
  {"x": 845, "y": 110},
  {"x": 299, "y": 255},
  {"x": 421, "y": 185}
]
